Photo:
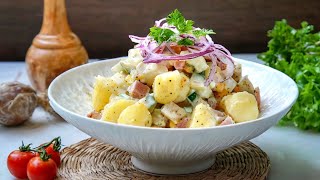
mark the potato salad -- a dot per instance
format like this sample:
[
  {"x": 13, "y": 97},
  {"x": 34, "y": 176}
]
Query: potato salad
[{"x": 175, "y": 77}]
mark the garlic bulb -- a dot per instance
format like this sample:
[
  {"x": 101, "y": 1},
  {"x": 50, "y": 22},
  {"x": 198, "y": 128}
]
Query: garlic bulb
[{"x": 17, "y": 103}]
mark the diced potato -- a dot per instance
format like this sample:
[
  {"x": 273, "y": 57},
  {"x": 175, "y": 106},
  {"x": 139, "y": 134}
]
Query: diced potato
[
  {"x": 147, "y": 72},
  {"x": 188, "y": 68},
  {"x": 241, "y": 106},
  {"x": 202, "y": 116},
  {"x": 184, "y": 88},
  {"x": 136, "y": 115},
  {"x": 134, "y": 56},
  {"x": 114, "y": 97},
  {"x": 219, "y": 76},
  {"x": 237, "y": 72},
  {"x": 166, "y": 87},
  {"x": 228, "y": 84},
  {"x": 158, "y": 119},
  {"x": 199, "y": 63},
  {"x": 131, "y": 77},
  {"x": 149, "y": 101},
  {"x": 173, "y": 112},
  {"x": 130, "y": 63},
  {"x": 111, "y": 111},
  {"x": 117, "y": 68},
  {"x": 120, "y": 80},
  {"x": 102, "y": 90},
  {"x": 172, "y": 124},
  {"x": 246, "y": 85},
  {"x": 197, "y": 83}
]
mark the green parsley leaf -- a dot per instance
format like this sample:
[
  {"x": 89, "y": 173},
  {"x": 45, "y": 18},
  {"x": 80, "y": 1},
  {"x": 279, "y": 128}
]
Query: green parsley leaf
[
  {"x": 296, "y": 52},
  {"x": 161, "y": 35},
  {"x": 186, "y": 42},
  {"x": 176, "y": 19},
  {"x": 203, "y": 32}
]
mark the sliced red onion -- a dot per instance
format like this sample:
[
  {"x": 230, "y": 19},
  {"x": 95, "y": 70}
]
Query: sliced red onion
[
  {"x": 158, "y": 23},
  {"x": 228, "y": 61},
  {"x": 156, "y": 58},
  {"x": 218, "y": 46},
  {"x": 160, "y": 48},
  {"x": 209, "y": 39},
  {"x": 136, "y": 39},
  {"x": 203, "y": 46},
  {"x": 212, "y": 70}
]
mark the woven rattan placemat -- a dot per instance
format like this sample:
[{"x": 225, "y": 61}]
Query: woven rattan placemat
[{"x": 93, "y": 160}]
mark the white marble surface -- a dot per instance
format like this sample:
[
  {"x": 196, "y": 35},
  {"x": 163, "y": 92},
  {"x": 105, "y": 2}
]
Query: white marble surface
[{"x": 294, "y": 154}]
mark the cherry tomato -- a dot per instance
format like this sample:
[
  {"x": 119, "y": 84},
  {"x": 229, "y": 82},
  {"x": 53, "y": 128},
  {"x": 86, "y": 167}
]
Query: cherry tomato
[
  {"x": 52, "y": 148},
  {"x": 17, "y": 163},
  {"x": 55, "y": 155},
  {"x": 41, "y": 169}
]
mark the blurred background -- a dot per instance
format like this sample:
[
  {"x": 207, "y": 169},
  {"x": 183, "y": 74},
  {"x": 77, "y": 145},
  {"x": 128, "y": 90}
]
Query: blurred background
[{"x": 104, "y": 25}]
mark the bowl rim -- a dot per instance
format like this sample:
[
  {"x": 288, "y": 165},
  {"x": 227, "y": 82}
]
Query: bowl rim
[{"x": 54, "y": 103}]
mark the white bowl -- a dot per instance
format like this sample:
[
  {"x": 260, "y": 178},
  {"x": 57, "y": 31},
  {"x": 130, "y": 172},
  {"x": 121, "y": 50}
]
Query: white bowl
[{"x": 170, "y": 151}]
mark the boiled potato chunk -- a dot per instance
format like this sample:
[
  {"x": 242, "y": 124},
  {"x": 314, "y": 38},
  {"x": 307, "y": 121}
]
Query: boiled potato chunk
[
  {"x": 136, "y": 115},
  {"x": 166, "y": 87},
  {"x": 147, "y": 72},
  {"x": 111, "y": 111},
  {"x": 184, "y": 89},
  {"x": 103, "y": 88},
  {"x": 202, "y": 116},
  {"x": 199, "y": 63},
  {"x": 173, "y": 112},
  {"x": 158, "y": 119},
  {"x": 246, "y": 85},
  {"x": 241, "y": 106},
  {"x": 237, "y": 74}
]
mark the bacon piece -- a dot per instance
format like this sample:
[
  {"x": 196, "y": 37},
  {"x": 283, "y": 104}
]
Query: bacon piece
[
  {"x": 176, "y": 48},
  {"x": 94, "y": 115},
  {"x": 179, "y": 65},
  {"x": 183, "y": 123},
  {"x": 228, "y": 120},
  {"x": 138, "y": 89}
]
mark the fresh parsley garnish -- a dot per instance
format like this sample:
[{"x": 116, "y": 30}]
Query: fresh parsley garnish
[
  {"x": 202, "y": 32},
  {"x": 176, "y": 19},
  {"x": 161, "y": 35},
  {"x": 183, "y": 26},
  {"x": 296, "y": 52},
  {"x": 186, "y": 42}
]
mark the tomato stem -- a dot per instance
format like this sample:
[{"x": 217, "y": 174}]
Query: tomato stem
[
  {"x": 56, "y": 144},
  {"x": 24, "y": 148},
  {"x": 44, "y": 155}
]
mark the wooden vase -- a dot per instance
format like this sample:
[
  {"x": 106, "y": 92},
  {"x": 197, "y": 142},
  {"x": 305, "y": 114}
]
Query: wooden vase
[{"x": 55, "y": 49}]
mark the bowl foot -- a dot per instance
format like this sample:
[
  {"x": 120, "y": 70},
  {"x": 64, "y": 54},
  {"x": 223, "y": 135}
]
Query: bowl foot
[{"x": 172, "y": 169}]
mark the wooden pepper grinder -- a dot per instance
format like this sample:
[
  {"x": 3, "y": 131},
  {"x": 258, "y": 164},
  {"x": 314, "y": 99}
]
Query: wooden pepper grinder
[{"x": 55, "y": 49}]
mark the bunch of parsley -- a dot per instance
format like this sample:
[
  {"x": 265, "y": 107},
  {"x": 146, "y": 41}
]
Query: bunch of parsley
[
  {"x": 184, "y": 26},
  {"x": 296, "y": 52}
]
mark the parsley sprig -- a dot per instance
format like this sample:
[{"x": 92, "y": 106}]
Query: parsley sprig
[
  {"x": 161, "y": 35},
  {"x": 183, "y": 26},
  {"x": 296, "y": 52},
  {"x": 176, "y": 19}
]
